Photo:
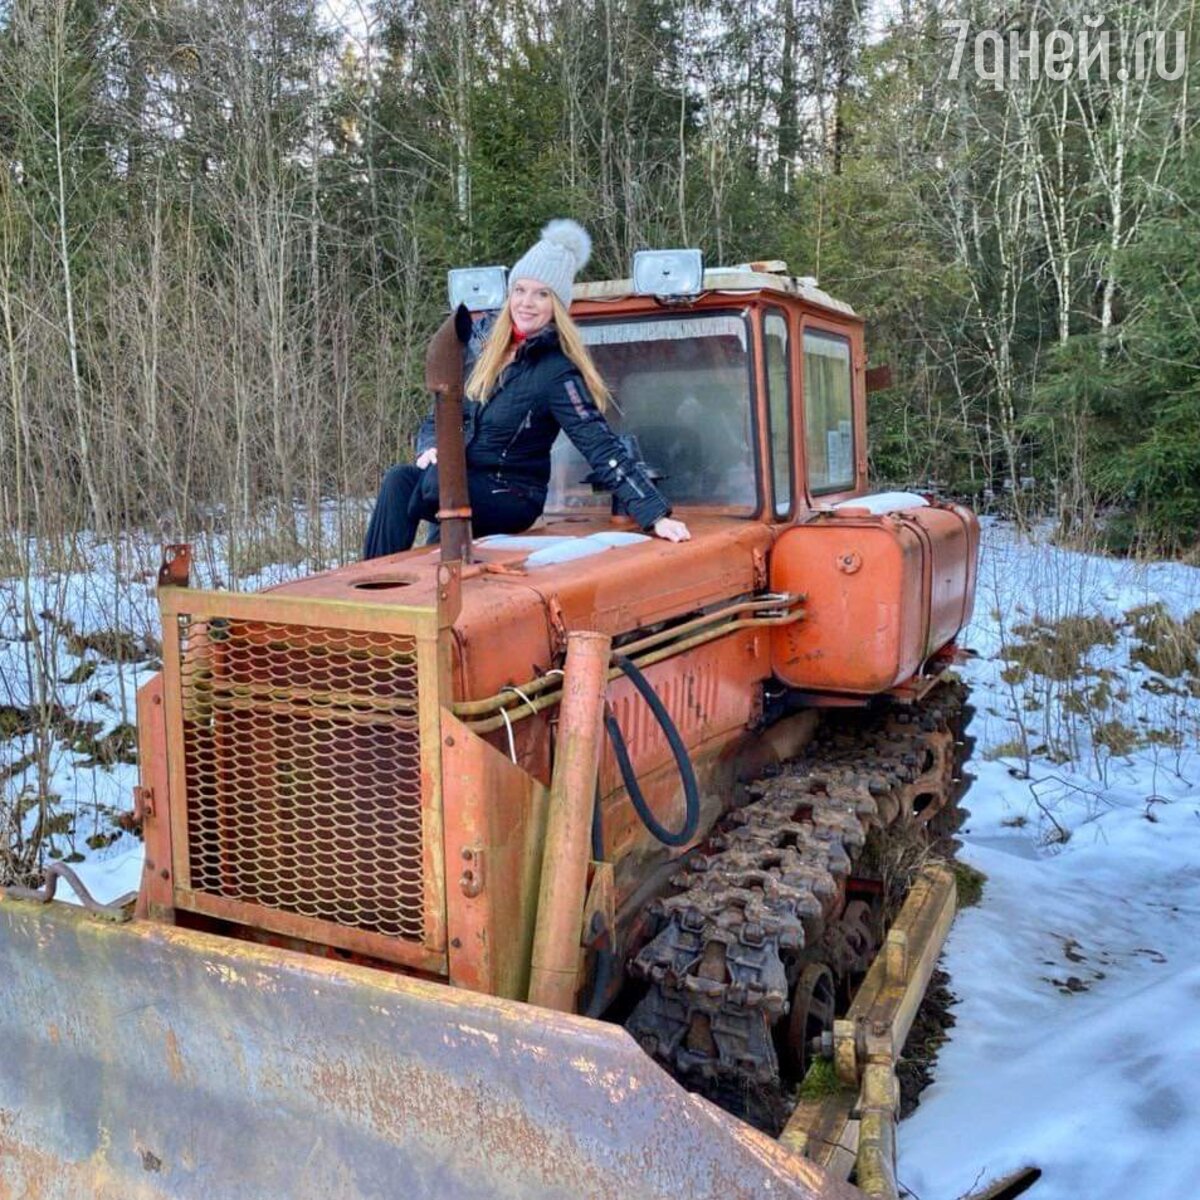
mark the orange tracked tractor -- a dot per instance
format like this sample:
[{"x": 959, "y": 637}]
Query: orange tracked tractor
[{"x": 553, "y": 865}]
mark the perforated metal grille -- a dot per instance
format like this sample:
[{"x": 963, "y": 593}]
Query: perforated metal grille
[{"x": 303, "y": 771}]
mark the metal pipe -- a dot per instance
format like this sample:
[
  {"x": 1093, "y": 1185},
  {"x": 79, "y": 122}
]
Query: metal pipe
[
  {"x": 879, "y": 1102},
  {"x": 444, "y": 378},
  {"x": 536, "y": 704},
  {"x": 785, "y": 600},
  {"x": 554, "y": 975},
  {"x": 118, "y": 910}
]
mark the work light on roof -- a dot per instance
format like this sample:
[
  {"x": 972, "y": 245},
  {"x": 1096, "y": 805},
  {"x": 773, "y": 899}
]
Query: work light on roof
[
  {"x": 479, "y": 288},
  {"x": 668, "y": 272}
]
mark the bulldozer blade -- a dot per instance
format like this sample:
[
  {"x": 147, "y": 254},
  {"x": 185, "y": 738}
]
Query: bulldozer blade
[{"x": 143, "y": 1060}]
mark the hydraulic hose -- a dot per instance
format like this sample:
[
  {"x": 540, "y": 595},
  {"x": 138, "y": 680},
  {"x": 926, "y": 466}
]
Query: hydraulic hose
[
  {"x": 691, "y": 791},
  {"x": 606, "y": 962},
  {"x": 597, "y": 826}
]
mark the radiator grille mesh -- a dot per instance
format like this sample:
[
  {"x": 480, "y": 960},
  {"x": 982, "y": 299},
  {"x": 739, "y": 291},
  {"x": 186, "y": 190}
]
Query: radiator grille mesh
[{"x": 303, "y": 771}]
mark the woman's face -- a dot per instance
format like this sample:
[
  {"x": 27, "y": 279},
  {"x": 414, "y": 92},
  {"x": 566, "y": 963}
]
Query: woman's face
[{"x": 530, "y": 305}]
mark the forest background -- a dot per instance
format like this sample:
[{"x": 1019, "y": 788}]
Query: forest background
[
  {"x": 225, "y": 227},
  {"x": 224, "y": 230}
]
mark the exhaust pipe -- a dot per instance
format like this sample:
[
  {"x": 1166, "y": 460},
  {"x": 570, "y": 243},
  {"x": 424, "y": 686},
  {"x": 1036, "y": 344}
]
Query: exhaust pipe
[
  {"x": 444, "y": 378},
  {"x": 554, "y": 977}
]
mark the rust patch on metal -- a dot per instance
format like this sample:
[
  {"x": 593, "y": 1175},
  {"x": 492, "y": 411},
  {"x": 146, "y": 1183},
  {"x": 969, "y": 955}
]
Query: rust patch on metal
[
  {"x": 176, "y": 566},
  {"x": 174, "y": 1058}
]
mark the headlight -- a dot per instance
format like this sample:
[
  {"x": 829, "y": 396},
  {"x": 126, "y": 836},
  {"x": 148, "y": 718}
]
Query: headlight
[
  {"x": 479, "y": 288},
  {"x": 668, "y": 272}
]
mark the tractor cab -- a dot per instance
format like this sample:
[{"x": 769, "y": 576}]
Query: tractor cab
[
  {"x": 747, "y": 397},
  {"x": 745, "y": 387}
]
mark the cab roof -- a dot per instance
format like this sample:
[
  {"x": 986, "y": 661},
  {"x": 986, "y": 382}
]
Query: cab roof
[{"x": 752, "y": 277}]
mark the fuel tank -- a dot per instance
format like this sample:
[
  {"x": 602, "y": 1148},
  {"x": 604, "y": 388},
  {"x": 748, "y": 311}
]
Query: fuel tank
[{"x": 884, "y": 591}]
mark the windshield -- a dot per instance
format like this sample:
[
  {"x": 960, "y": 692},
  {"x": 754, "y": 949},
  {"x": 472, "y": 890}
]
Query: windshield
[{"x": 682, "y": 385}]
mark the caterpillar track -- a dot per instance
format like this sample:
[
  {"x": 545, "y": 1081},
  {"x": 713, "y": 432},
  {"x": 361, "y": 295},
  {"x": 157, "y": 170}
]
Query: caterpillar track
[{"x": 769, "y": 916}]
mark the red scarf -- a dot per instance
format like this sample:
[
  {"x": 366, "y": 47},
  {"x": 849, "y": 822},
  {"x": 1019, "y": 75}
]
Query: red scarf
[{"x": 518, "y": 336}]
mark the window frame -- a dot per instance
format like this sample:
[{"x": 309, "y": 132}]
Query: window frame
[
  {"x": 744, "y": 313},
  {"x": 846, "y": 336},
  {"x": 788, "y": 511}
]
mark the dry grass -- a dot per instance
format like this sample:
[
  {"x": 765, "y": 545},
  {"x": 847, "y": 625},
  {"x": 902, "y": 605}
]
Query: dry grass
[
  {"x": 1084, "y": 686},
  {"x": 1165, "y": 644},
  {"x": 1057, "y": 649}
]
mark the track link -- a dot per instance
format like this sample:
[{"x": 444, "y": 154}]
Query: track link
[{"x": 763, "y": 896}]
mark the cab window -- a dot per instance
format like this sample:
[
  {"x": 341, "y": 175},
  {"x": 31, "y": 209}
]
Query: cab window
[
  {"x": 828, "y": 412},
  {"x": 682, "y": 385},
  {"x": 775, "y": 345}
]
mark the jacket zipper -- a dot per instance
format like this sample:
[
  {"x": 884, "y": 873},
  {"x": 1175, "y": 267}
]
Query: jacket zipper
[
  {"x": 512, "y": 441},
  {"x": 623, "y": 477}
]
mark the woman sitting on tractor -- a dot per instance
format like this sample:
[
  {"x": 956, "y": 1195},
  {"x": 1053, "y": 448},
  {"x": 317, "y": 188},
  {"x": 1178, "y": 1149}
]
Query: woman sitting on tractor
[{"x": 534, "y": 376}]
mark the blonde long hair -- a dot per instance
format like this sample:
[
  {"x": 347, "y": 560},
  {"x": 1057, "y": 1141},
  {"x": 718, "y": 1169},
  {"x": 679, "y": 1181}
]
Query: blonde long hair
[{"x": 492, "y": 358}]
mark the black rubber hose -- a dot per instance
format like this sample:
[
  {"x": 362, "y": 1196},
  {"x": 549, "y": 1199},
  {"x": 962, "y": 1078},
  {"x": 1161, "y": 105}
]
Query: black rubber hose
[
  {"x": 597, "y": 828},
  {"x": 606, "y": 961},
  {"x": 691, "y": 819}
]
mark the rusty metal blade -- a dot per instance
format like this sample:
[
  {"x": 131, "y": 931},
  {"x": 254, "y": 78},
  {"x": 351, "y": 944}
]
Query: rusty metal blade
[{"x": 144, "y": 1061}]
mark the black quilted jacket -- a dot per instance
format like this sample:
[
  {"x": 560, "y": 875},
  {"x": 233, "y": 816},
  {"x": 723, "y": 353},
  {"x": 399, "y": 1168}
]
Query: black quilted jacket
[{"x": 539, "y": 393}]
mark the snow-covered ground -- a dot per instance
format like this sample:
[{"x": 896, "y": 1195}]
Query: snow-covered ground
[
  {"x": 1077, "y": 1043},
  {"x": 81, "y": 598}
]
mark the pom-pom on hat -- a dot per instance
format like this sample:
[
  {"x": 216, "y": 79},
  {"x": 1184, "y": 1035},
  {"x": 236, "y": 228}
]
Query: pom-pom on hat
[{"x": 555, "y": 260}]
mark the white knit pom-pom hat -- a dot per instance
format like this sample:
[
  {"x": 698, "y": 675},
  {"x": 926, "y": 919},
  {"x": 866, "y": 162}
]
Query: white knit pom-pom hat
[{"x": 555, "y": 260}]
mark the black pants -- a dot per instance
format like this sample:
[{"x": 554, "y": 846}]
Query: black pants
[{"x": 409, "y": 495}]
